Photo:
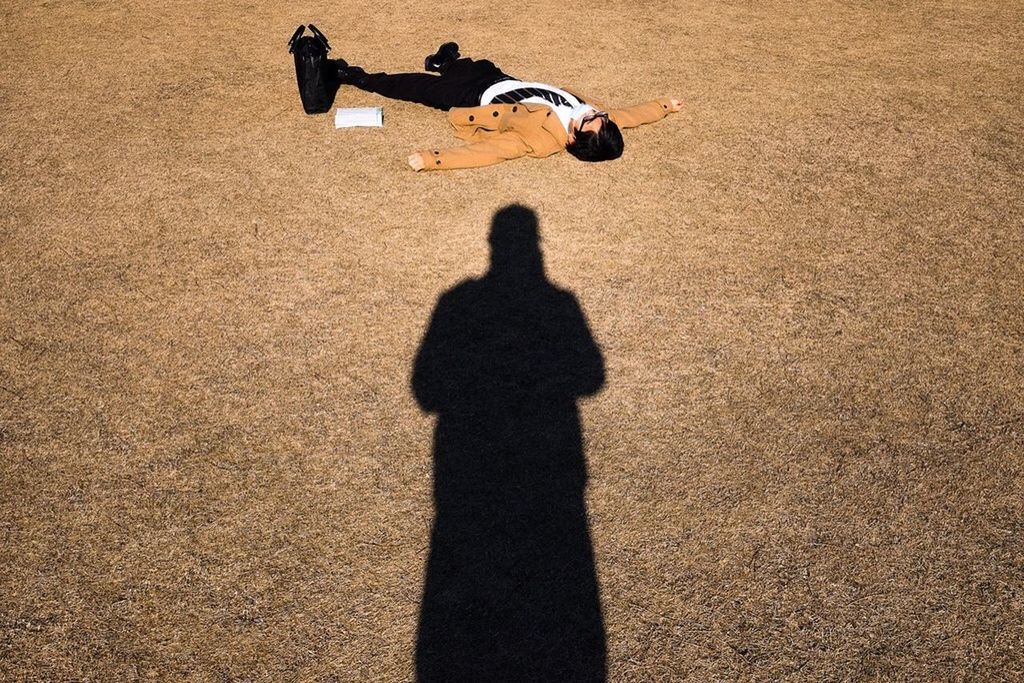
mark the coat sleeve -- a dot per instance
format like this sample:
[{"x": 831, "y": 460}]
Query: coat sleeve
[
  {"x": 490, "y": 151},
  {"x": 639, "y": 114}
]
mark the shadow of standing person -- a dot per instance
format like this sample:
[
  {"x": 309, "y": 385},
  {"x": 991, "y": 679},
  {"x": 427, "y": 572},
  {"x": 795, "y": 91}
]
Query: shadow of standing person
[{"x": 511, "y": 589}]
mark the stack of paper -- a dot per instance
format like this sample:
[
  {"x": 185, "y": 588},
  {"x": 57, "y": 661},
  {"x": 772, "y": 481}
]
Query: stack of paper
[{"x": 359, "y": 116}]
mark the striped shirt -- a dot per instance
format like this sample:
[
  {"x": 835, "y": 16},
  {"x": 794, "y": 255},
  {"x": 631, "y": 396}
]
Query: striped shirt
[{"x": 565, "y": 105}]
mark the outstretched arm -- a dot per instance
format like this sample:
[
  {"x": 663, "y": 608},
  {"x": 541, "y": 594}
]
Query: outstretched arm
[
  {"x": 649, "y": 112},
  {"x": 484, "y": 153}
]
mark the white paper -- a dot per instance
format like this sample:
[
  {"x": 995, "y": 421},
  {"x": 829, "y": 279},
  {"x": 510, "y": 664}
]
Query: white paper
[{"x": 353, "y": 117}]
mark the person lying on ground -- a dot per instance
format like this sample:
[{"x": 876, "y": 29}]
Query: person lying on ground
[{"x": 502, "y": 117}]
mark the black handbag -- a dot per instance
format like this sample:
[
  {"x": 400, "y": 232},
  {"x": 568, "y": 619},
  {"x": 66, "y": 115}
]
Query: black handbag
[{"x": 316, "y": 74}]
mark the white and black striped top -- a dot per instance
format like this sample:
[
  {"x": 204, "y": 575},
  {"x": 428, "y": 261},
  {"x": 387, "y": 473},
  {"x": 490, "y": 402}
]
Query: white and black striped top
[{"x": 563, "y": 103}]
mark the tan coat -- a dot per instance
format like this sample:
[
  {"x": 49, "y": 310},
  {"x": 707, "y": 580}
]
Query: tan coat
[{"x": 496, "y": 132}]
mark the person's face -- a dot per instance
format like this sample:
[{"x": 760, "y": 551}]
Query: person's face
[{"x": 591, "y": 123}]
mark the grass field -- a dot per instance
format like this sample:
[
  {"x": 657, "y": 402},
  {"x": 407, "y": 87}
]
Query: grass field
[{"x": 805, "y": 458}]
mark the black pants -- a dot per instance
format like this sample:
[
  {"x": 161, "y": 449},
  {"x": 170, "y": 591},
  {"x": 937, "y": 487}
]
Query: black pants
[{"x": 460, "y": 85}]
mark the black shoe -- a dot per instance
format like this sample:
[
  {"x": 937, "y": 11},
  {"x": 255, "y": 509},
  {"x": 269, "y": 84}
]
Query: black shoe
[
  {"x": 348, "y": 74},
  {"x": 440, "y": 60}
]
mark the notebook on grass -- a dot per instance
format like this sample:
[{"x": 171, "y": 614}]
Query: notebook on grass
[{"x": 356, "y": 117}]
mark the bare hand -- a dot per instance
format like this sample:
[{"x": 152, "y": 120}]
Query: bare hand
[
  {"x": 675, "y": 105},
  {"x": 416, "y": 161}
]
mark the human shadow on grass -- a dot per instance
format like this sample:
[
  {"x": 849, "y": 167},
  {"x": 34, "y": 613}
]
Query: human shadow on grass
[{"x": 511, "y": 590}]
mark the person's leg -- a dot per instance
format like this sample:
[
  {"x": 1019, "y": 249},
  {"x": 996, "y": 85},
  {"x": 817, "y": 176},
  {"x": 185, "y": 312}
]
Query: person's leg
[
  {"x": 469, "y": 70},
  {"x": 472, "y": 78},
  {"x": 420, "y": 88},
  {"x": 459, "y": 85}
]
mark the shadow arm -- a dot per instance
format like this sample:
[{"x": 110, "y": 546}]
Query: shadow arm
[{"x": 584, "y": 362}]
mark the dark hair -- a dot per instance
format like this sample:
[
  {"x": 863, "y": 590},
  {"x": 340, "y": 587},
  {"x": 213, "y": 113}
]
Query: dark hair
[{"x": 604, "y": 145}]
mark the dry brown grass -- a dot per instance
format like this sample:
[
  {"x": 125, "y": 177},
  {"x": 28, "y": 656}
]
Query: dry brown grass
[{"x": 806, "y": 462}]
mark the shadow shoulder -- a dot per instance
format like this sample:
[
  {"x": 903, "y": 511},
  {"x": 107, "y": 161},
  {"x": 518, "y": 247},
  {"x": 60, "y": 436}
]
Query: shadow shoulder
[
  {"x": 460, "y": 291},
  {"x": 564, "y": 296}
]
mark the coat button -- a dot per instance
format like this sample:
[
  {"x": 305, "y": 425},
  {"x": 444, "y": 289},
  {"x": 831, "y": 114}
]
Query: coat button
[
  {"x": 515, "y": 108},
  {"x": 438, "y": 162},
  {"x": 494, "y": 114},
  {"x": 436, "y": 152},
  {"x": 472, "y": 118}
]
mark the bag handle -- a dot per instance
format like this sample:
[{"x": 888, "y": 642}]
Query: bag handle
[
  {"x": 320, "y": 36},
  {"x": 295, "y": 36}
]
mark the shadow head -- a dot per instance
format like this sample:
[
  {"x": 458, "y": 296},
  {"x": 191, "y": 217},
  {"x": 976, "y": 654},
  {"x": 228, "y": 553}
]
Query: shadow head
[{"x": 515, "y": 242}]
